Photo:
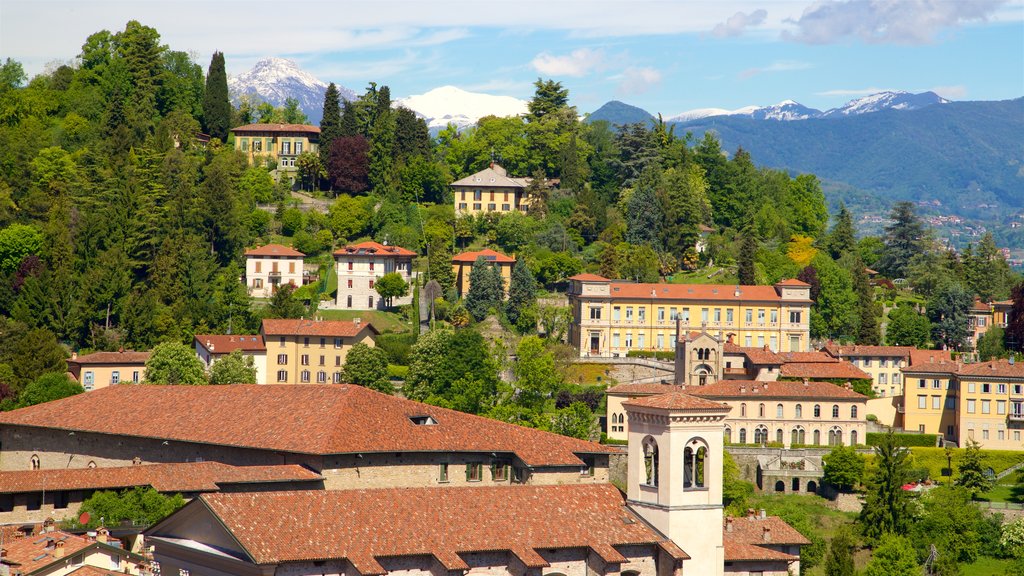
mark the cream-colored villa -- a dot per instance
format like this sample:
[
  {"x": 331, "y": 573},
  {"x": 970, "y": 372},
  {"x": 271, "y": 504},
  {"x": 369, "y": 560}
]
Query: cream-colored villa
[{"x": 490, "y": 190}]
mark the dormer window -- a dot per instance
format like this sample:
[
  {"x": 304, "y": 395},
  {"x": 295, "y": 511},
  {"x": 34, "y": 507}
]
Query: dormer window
[{"x": 423, "y": 420}]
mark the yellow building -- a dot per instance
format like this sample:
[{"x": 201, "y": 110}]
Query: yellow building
[
  {"x": 611, "y": 317},
  {"x": 490, "y": 190},
  {"x": 462, "y": 265},
  {"x": 930, "y": 399},
  {"x": 311, "y": 351},
  {"x": 882, "y": 363},
  {"x": 280, "y": 143},
  {"x": 992, "y": 404},
  {"x": 102, "y": 369}
]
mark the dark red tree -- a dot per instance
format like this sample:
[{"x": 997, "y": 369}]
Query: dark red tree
[
  {"x": 1015, "y": 323},
  {"x": 810, "y": 275},
  {"x": 348, "y": 166}
]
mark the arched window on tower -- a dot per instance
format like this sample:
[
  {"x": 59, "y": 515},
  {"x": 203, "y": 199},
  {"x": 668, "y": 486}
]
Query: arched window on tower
[
  {"x": 650, "y": 461},
  {"x": 695, "y": 457}
]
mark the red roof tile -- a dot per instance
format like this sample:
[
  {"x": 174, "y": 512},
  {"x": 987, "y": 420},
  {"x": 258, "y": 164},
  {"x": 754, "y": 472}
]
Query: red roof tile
[
  {"x": 306, "y": 327},
  {"x": 838, "y": 350},
  {"x": 488, "y": 254},
  {"x": 173, "y": 477},
  {"x": 722, "y": 292},
  {"x": 307, "y": 419},
  {"x": 763, "y": 356},
  {"x": 122, "y": 358},
  {"x": 642, "y": 389},
  {"x": 808, "y": 357},
  {"x": 750, "y": 530},
  {"x": 778, "y": 389},
  {"x": 277, "y": 128},
  {"x": 930, "y": 356},
  {"x": 94, "y": 571},
  {"x": 588, "y": 277},
  {"x": 228, "y": 343},
  {"x": 273, "y": 250},
  {"x": 405, "y": 521},
  {"x": 793, "y": 282},
  {"x": 741, "y": 551},
  {"x": 994, "y": 368},
  {"x": 823, "y": 370},
  {"x": 373, "y": 248},
  {"x": 677, "y": 401},
  {"x": 34, "y": 552}
]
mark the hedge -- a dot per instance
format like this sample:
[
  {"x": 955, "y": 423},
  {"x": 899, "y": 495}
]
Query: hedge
[
  {"x": 934, "y": 460},
  {"x": 397, "y": 346},
  {"x": 904, "y": 439},
  {"x": 652, "y": 354}
]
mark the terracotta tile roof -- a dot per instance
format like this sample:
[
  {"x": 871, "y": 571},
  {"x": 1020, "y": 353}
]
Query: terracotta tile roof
[
  {"x": 94, "y": 571},
  {"x": 363, "y": 525},
  {"x": 741, "y": 551},
  {"x": 677, "y": 401},
  {"x": 228, "y": 343},
  {"x": 307, "y": 419},
  {"x": 808, "y": 357},
  {"x": 823, "y": 370},
  {"x": 793, "y": 282},
  {"x": 838, "y": 350},
  {"x": 277, "y": 128},
  {"x": 997, "y": 368},
  {"x": 719, "y": 292},
  {"x": 307, "y": 327},
  {"x": 487, "y": 253},
  {"x": 762, "y": 356},
  {"x": 946, "y": 366},
  {"x": 980, "y": 306},
  {"x": 34, "y": 552},
  {"x": 123, "y": 357},
  {"x": 373, "y": 248},
  {"x": 750, "y": 530},
  {"x": 493, "y": 176},
  {"x": 173, "y": 477},
  {"x": 930, "y": 356},
  {"x": 778, "y": 389},
  {"x": 273, "y": 250},
  {"x": 642, "y": 389},
  {"x": 588, "y": 277}
]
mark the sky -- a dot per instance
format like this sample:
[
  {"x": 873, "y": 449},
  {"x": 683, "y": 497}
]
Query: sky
[{"x": 664, "y": 56}]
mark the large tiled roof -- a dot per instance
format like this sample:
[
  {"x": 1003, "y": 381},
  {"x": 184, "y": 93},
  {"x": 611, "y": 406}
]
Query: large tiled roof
[
  {"x": 997, "y": 368},
  {"x": 493, "y": 176},
  {"x": 486, "y": 253},
  {"x": 642, "y": 389},
  {"x": 793, "y": 282},
  {"x": 173, "y": 477},
  {"x": 839, "y": 350},
  {"x": 228, "y": 343},
  {"x": 751, "y": 529},
  {"x": 277, "y": 128},
  {"x": 938, "y": 366},
  {"x": 307, "y": 327},
  {"x": 373, "y": 248},
  {"x": 273, "y": 250},
  {"x": 676, "y": 401},
  {"x": 94, "y": 571},
  {"x": 123, "y": 357},
  {"x": 306, "y": 419},
  {"x": 364, "y": 525},
  {"x": 762, "y": 356},
  {"x": 588, "y": 277},
  {"x": 34, "y": 552},
  {"x": 778, "y": 389},
  {"x": 823, "y": 370},
  {"x": 808, "y": 357},
  {"x": 717, "y": 292}
]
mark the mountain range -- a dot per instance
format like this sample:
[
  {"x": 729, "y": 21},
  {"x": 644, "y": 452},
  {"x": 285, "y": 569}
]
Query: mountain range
[{"x": 274, "y": 80}]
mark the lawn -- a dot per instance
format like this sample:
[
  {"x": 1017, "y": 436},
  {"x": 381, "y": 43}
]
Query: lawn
[
  {"x": 986, "y": 566},
  {"x": 589, "y": 374},
  {"x": 382, "y": 321},
  {"x": 717, "y": 276}
]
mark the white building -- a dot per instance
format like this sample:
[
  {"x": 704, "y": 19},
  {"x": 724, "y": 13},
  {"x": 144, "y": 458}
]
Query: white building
[
  {"x": 361, "y": 265},
  {"x": 270, "y": 266},
  {"x": 212, "y": 347}
]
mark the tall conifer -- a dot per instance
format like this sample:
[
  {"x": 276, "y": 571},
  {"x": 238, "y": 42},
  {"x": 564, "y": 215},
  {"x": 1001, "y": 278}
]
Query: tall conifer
[
  {"x": 330, "y": 124},
  {"x": 216, "y": 107}
]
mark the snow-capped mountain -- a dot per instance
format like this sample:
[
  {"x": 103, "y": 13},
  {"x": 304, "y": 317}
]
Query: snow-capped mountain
[
  {"x": 895, "y": 100},
  {"x": 449, "y": 104},
  {"x": 275, "y": 79},
  {"x": 785, "y": 110},
  {"x": 698, "y": 113}
]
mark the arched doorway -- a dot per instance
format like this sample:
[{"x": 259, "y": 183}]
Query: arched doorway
[
  {"x": 780, "y": 486},
  {"x": 812, "y": 486}
]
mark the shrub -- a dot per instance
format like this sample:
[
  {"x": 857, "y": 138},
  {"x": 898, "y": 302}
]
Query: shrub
[
  {"x": 651, "y": 354},
  {"x": 397, "y": 346},
  {"x": 904, "y": 439}
]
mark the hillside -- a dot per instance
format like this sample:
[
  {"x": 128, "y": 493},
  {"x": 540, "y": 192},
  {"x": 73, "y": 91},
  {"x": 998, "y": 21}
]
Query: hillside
[{"x": 618, "y": 113}]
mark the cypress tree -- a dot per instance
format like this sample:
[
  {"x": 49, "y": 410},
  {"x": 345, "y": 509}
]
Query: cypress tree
[
  {"x": 746, "y": 259},
  {"x": 868, "y": 332},
  {"x": 839, "y": 560},
  {"x": 216, "y": 107},
  {"x": 841, "y": 240},
  {"x": 330, "y": 124},
  {"x": 482, "y": 289},
  {"x": 522, "y": 291}
]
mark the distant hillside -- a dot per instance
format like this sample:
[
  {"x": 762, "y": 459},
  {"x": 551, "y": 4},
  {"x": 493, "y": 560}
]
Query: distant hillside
[
  {"x": 616, "y": 112},
  {"x": 968, "y": 156}
]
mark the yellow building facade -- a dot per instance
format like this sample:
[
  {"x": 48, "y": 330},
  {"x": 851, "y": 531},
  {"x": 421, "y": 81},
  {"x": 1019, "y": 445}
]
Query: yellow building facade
[
  {"x": 490, "y": 190},
  {"x": 311, "y": 351},
  {"x": 102, "y": 369},
  {"x": 611, "y": 318},
  {"x": 279, "y": 143},
  {"x": 462, "y": 266}
]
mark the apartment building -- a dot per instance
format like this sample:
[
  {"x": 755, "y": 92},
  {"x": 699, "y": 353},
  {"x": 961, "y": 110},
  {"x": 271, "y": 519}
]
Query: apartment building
[
  {"x": 612, "y": 317},
  {"x": 102, "y": 369},
  {"x": 359, "y": 266},
  {"x": 212, "y": 347},
  {"x": 462, "y": 266},
  {"x": 268, "y": 267},
  {"x": 276, "y": 143},
  {"x": 490, "y": 190},
  {"x": 882, "y": 363},
  {"x": 311, "y": 351}
]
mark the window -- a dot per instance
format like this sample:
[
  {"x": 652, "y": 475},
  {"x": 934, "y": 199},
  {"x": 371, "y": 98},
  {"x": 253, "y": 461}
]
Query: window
[
  {"x": 135, "y": 377},
  {"x": 661, "y": 314},
  {"x": 615, "y": 340},
  {"x": 986, "y": 406},
  {"x": 760, "y": 315},
  {"x": 970, "y": 386},
  {"x": 491, "y": 206},
  {"x": 950, "y": 403},
  {"x": 337, "y": 360},
  {"x": 505, "y": 207},
  {"x": 640, "y": 340},
  {"x": 853, "y": 412},
  {"x": 370, "y": 301},
  {"x": 799, "y": 411},
  {"x": 703, "y": 314},
  {"x": 970, "y": 406},
  {"x": 305, "y": 342},
  {"x": 743, "y": 409},
  {"x": 282, "y": 375},
  {"x": 595, "y": 313},
  {"x": 321, "y": 377},
  {"x": 984, "y": 434},
  {"x": 478, "y": 195},
  {"x": 350, "y": 265},
  {"x": 257, "y": 283},
  {"x": 835, "y": 410},
  {"x": 476, "y": 206},
  {"x": 629, "y": 313},
  {"x": 641, "y": 314},
  {"x": 298, "y": 147},
  {"x": 921, "y": 383},
  {"x": 286, "y": 147},
  {"x": 922, "y": 402},
  {"x": 778, "y": 410},
  {"x": 1000, "y": 406},
  {"x": 817, "y": 412},
  {"x": 282, "y": 359},
  {"x": 348, "y": 301},
  {"x": 661, "y": 341},
  {"x": 986, "y": 388},
  {"x": 474, "y": 472},
  {"x": 774, "y": 316},
  {"x": 774, "y": 343},
  {"x": 371, "y": 284},
  {"x": 115, "y": 377},
  {"x": 442, "y": 472},
  {"x": 650, "y": 447},
  {"x": 750, "y": 316},
  {"x": 629, "y": 339},
  {"x": 935, "y": 384},
  {"x": 337, "y": 342},
  {"x": 936, "y": 402},
  {"x": 337, "y": 378},
  {"x": 616, "y": 313},
  {"x": 748, "y": 341},
  {"x": 304, "y": 376},
  {"x": 794, "y": 317},
  {"x": 88, "y": 380},
  {"x": 499, "y": 471},
  {"x": 760, "y": 410},
  {"x": 34, "y": 462},
  {"x": 743, "y": 435},
  {"x": 1001, "y": 388},
  {"x": 463, "y": 205},
  {"x": 728, "y": 315},
  {"x": 304, "y": 360}
]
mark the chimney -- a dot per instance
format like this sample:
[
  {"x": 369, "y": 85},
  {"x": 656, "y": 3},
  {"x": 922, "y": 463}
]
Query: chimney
[
  {"x": 74, "y": 355},
  {"x": 848, "y": 386},
  {"x": 767, "y": 533},
  {"x": 729, "y": 339},
  {"x": 357, "y": 321},
  {"x": 58, "y": 549},
  {"x": 121, "y": 349},
  {"x": 48, "y": 525},
  {"x": 806, "y": 383},
  {"x": 762, "y": 514},
  {"x": 102, "y": 534},
  {"x": 751, "y": 513},
  {"x": 728, "y": 524}
]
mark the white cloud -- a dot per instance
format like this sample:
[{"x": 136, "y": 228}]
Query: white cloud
[
  {"x": 854, "y": 91},
  {"x": 777, "y": 66},
  {"x": 957, "y": 92},
  {"x": 636, "y": 80},
  {"x": 738, "y": 23},
  {"x": 575, "y": 64},
  {"x": 886, "y": 21}
]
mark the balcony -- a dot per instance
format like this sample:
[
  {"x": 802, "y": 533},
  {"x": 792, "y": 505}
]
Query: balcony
[
  {"x": 274, "y": 274},
  {"x": 1015, "y": 416}
]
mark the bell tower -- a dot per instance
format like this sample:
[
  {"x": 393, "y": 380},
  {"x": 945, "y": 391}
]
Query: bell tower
[{"x": 674, "y": 473}]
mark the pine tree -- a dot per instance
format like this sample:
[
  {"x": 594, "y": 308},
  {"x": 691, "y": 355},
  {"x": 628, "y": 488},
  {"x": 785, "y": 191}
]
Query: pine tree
[
  {"x": 839, "y": 561},
  {"x": 868, "y": 330},
  {"x": 330, "y": 124},
  {"x": 548, "y": 97},
  {"x": 480, "y": 298},
  {"x": 971, "y": 470},
  {"x": 887, "y": 507},
  {"x": 643, "y": 215},
  {"x": 904, "y": 239},
  {"x": 841, "y": 240},
  {"x": 745, "y": 262},
  {"x": 522, "y": 291},
  {"x": 216, "y": 106}
]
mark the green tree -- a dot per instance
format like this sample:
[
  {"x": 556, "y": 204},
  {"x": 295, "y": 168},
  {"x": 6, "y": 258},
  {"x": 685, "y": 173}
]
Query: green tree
[
  {"x": 548, "y": 97},
  {"x": 49, "y": 387},
  {"x": 235, "y": 368},
  {"x": 951, "y": 521},
  {"x": 837, "y": 304},
  {"x": 391, "y": 286},
  {"x": 907, "y": 327},
  {"x": 349, "y": 216},
  {"x": 971, "y": 470},
  {"x": 12, "y": 75},
  {"x": 1012, "y": 538},
  {"x": 292, "y": 113},
  {"x": 886, "y": 508},
  {"x": 143, "y": 506},
  {"x": 368, "y": 366},
  {"x": 536, "y": 377},
  {"x": 485, "y": 291},
  {"x": 904, "y": 239},
  {"x": 947, "y": 309},
  {"x": 805, "y": 206},
  {"x": 643, "y": 215},
  {"x": 868, "y": 311},
  {"x": 990, "y": 345},
  {"x": 216, "y": 105},
  {"x": 842, "y": 239},
  {"x": 988, "y": 274},
  {"x": 894, "y": 556},
  {"x": 575, "y": 420},
  {"x": 284, "y": 303},
  {"x": 736, "y": 491},
  {"x": 839, "y": 560},
  {"x": 16, "y": 242},
  {"x": 844, "y": 467},
  {"x": 745, "y": 261},
  {"x": 522, "y": 294},
  {"x": 452, "y": 369},
  {"x": 174, "y": 363}
]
